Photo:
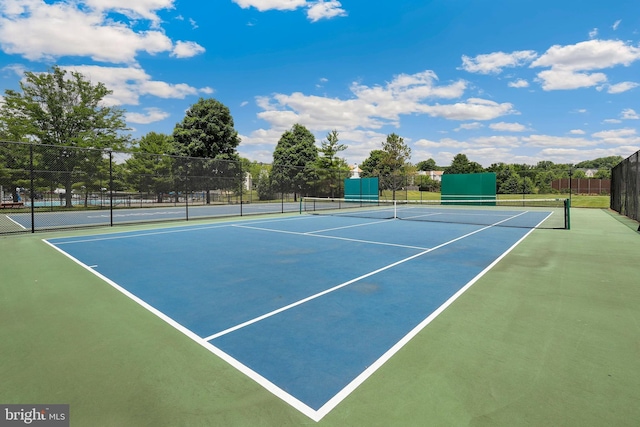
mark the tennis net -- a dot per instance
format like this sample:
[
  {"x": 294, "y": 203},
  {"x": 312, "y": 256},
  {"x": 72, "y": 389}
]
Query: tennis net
[{"x": 523, "y": 213}]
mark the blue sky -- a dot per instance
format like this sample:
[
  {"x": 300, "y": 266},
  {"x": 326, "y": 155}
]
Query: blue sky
[{"x": 515, "y": 81}]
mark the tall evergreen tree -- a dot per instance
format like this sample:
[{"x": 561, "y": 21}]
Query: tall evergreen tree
[
  {"x": 293, "y": 161},
  {"x": 207, "y": 132}
]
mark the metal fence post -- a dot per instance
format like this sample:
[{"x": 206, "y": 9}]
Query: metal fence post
[
  {"x": 110, "y": 188},
  {"x": 32, "y": 191}
]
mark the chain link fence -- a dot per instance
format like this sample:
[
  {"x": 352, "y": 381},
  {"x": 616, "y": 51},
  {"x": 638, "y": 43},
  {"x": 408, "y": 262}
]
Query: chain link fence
[
  {"x": 46, "y": 187},
  {"x": 625, "y": 187}
]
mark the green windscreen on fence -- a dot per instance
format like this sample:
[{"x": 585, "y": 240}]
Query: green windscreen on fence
[
  {"x": 361, "y": 188},
  {"x": 472, "y": 186}
]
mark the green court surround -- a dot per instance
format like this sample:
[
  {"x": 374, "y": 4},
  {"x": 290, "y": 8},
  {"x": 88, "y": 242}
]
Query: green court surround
[{"x": 549, "y": 337}]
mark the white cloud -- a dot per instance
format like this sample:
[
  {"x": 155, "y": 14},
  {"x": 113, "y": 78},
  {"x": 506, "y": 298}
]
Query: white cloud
[
  {"x": 325, "y": 10},
  {"x": 570, "y": 63},
  {"x": 17, "y": 69},
  {"x": 574, "y": 155},
  {"x": 40, "y": 31},
  {"x": 130, "y": 83},
  {"x": 618, "y": 137},
  {"x": 471, "y": 109},
  {"x": 589, "y": 55},
  {"x": 615, "y": 133},
  {"x": 496, "y": 141},
  {"x": 469, "y": 126},
  {"x": 264, "y": 5},
  {"x": 187, "y": 49},
  {"x": 612, "y": 121},
  {"x": 493, "y": 63},
  {"x": 262, "y": 137},
  {"x": 622, "y": 87},
  {"x": 616, "y": 24},
  {"x": 556, "y": 141},
  {"x": 316, "y": 10},
  {"x": 629, "y": 114},
  {"x": 372, "y": 107},
  {"x": 492, "y": 149},
  {"x": 508, "y": 127},
  {"x": 443, "y": 143},
  {"x": 151, "y": 115},
  {"x": 577, "y": 132},
  {"x": 593, "y": 33},
  {"x": 520, "y": 83},
  {"x": 559, "y": 79},
  {"x": 138, "y": 9}
]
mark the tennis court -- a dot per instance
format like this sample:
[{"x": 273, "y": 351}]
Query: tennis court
[
  {"x": 307, "y": 306},
  {"x": 338, "y": 319}
]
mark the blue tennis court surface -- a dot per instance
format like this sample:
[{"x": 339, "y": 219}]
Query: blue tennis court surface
[{"x": 308, "y": 306}]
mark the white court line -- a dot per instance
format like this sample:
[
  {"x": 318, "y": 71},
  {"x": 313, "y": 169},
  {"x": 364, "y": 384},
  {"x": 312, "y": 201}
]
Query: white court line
[
  {"x": 297, "y": 233},
  {"x": 15, "y": 222},
  {"x": 182, "y": 229},
  {"x": 342, "y": 285},
  {"x": 347, "y": 226}
]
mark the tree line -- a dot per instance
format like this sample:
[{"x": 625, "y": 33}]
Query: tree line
[{"x": 64, "y": 110}]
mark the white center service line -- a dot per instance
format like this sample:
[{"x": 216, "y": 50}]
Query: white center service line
[
  {"x": 342, "y": 285},
  {"x": 297, "y": 233}
]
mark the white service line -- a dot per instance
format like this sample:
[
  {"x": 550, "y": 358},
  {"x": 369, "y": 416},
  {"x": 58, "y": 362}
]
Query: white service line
[
  {"x": 297, "y": 233},
  {"x": 342, "y": 285}
]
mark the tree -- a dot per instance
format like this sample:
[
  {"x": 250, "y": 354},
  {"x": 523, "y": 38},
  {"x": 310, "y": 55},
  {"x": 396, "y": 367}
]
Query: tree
[
  {"x": 600, "y": 163},
  {"x": 603, "y": 174},
  {"x": 372, "y": 165},
  {"x": 395, "y": 161},
  {"x": 207, "y": 132},
  {"x": 330, "y": 167},
  {"x": 64, "y": 110},
  {"x": 461, "y": 164},
  {"x": 427, "y": 165},
  {"x": 149, "y": 168},
  {"x": 293, "y": 161},
  {"x": 579, "y": 174}
]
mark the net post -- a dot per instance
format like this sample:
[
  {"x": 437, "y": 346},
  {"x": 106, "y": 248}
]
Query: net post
[
  {"x": 301, "y": 199},
  {"x": 567, "y": 214},
  {"x": 395, "y": 209}
]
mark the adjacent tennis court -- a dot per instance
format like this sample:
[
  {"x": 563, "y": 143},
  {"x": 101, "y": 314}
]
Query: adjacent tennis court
[
  {"x": 308, "y": 306},
  {"x": 82, "y": 218}
]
